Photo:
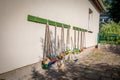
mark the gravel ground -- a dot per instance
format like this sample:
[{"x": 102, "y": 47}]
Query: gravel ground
[
  {"x": 93, "y": 64},
  {"x": 97, "y": 65}
]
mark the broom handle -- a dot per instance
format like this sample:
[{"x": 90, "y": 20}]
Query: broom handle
[
  {"x": 78, "y": 41},
  {"x": 55, "y": 38},
  {"x": 74, "y": 38}
]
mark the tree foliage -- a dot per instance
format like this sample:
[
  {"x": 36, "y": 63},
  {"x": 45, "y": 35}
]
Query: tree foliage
[
  {"x": 107, "y": 4},
  {"x": 113, "y": 9}
]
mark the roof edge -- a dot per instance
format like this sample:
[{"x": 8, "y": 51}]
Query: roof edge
[{"x": 99, "y": 5}]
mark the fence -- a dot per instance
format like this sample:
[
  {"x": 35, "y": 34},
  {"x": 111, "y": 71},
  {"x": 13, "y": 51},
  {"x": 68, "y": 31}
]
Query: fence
[{"x": 108, "y": 38}]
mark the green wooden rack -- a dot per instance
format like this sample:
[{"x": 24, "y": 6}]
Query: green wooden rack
[{"x": 53, "y": 23}]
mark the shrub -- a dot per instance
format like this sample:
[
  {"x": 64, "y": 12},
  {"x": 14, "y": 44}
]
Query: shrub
[
  {"x": 110, "y": 33},
  {"x": 118, "y": 41},
  {"x": 110, "y": 28}
]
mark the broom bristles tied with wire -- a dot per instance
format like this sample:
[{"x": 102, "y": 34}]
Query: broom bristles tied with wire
[
  {"x": 68, "y": 51},
  {"x": 76, "y": 50}
]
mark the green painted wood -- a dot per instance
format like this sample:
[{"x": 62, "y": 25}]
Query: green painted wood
[
  {"x": 77, "y": 28},
  {"x": 59, "y": 24},
  {"x": 52, "y": 23},
  {"x": 66, "y": 26},
  {"x": 44, "y": 21},
  {"x": 74, "y": 28},
  {"x": 37, "y": 19},
  {"x": 84, "y": 30}
]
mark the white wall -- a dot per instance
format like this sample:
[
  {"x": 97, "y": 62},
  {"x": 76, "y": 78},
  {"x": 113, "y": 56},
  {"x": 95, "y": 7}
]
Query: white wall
[
  {"x": 20, "y": 40},
  {"x": 91, "y": 38}
]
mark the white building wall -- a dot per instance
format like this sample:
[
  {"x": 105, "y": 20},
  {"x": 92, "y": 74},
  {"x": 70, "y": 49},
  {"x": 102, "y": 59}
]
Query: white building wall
[
  {"x": 91, "y": 38},
  {"x": 20, "y": 40}
]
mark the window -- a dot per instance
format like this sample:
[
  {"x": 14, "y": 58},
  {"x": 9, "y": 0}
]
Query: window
[{"x": 90, "y": 17}]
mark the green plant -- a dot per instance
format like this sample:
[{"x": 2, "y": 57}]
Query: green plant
[
  {"x": 103, "y": 42},
  {"x": 110, "y": 28},
  {"x": 118, "y": 41},
  {"x": 110, "y": 33}
]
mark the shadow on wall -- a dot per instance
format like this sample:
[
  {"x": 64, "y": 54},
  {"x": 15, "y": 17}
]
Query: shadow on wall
[
  {"x": 49, "y": 45},
  {"x": 81, "y": 72},
  {"x": 53, "y": 45}
]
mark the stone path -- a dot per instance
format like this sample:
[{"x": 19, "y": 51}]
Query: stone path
[{"x": 97, "y": 65}]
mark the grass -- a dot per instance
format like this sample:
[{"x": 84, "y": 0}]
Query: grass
[
  {"x": 110, "y": 42},
  {"x": 97, "y": 55}
]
